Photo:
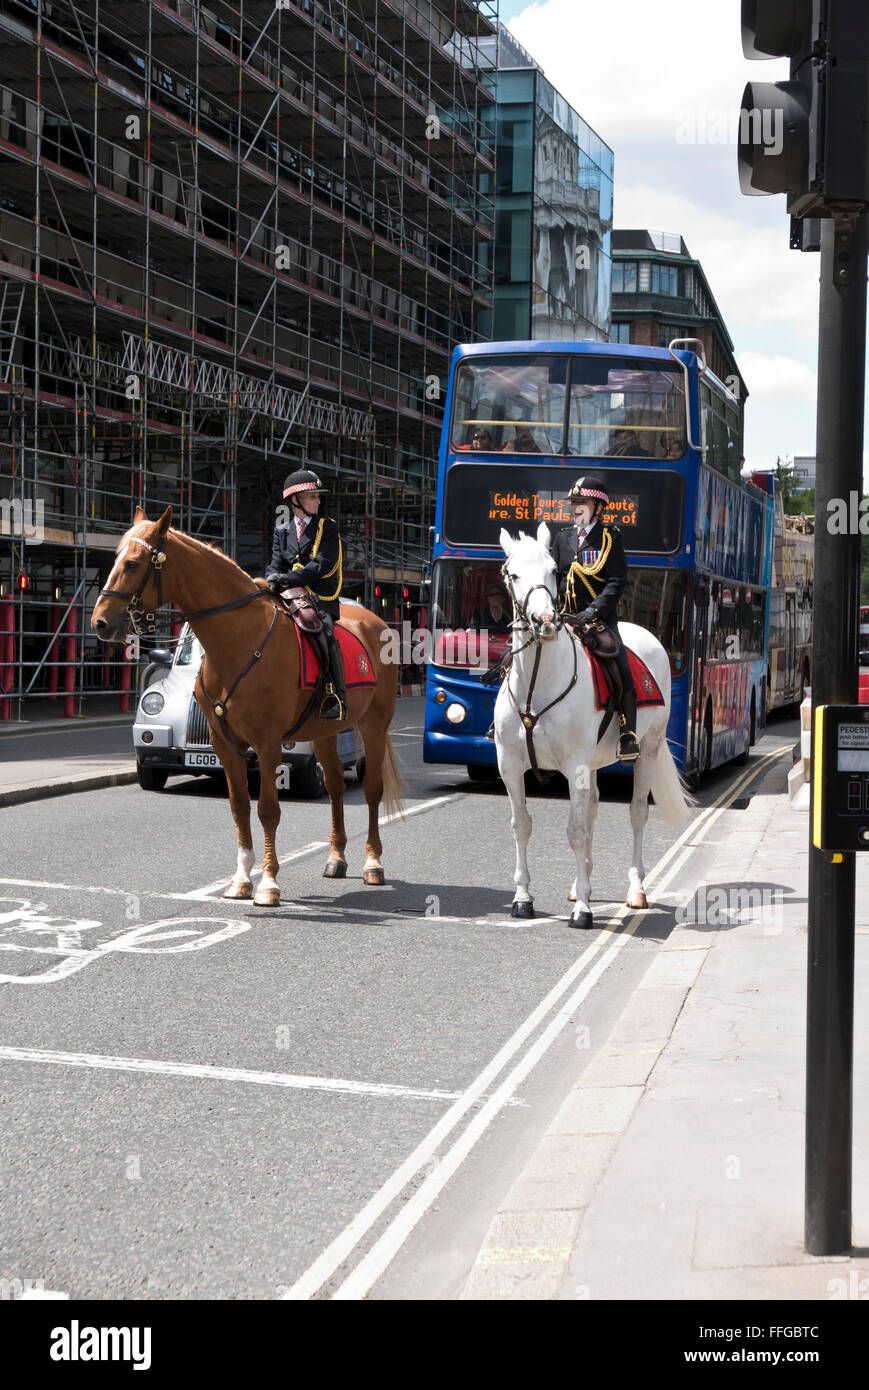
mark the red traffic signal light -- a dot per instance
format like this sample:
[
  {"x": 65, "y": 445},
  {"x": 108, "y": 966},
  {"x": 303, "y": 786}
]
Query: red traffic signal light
[
  {"x": 23, "y": 581},
  {"x": 405, "y": 593},
  {"x": 377, "y": 591}
]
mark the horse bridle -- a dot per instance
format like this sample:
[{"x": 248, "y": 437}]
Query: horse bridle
[
  {"x": 137, "y": 610},
  {"x": 529, "y": 720}
]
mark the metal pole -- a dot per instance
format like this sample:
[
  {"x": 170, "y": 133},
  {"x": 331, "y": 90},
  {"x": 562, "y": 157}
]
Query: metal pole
[{"x": 830, "y": 993}]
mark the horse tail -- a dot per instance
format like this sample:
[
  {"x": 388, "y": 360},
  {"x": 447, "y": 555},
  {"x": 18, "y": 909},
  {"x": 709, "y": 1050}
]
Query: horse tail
[
  {"x": 671, "y": 796},
  {"x": 393, "y": 782}
]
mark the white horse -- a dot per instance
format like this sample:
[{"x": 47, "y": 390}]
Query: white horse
[{"x": 566, "y": 723}]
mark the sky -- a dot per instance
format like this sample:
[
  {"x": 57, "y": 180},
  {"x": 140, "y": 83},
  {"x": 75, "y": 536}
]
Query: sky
[{"x": 662, "y": 84}]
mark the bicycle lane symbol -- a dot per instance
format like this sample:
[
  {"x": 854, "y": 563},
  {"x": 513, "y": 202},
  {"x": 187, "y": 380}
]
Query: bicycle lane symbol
[{"x": 24, "y": 929}]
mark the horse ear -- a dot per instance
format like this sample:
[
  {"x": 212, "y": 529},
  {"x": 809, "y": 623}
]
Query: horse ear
[
  {"x": 543, "y": 536},
  {"x": 165, "y": 522},
  {"x": 507, "y": 542},
  {"x": 139, "y": 515}
]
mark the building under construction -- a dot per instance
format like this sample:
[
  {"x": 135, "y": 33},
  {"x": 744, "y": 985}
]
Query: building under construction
[{"x": 234, "y": 238}]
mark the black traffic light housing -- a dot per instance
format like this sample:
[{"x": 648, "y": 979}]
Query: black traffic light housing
[{"x": 807, "y": 137}]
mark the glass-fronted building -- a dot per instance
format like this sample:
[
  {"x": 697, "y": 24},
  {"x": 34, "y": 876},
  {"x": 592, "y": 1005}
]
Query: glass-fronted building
[{"x": 553, "y": 220}]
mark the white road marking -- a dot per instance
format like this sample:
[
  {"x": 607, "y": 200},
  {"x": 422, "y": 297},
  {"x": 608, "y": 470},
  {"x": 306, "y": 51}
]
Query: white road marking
[
  {"x": 379, "y": 1257},
  {"x": 199, "y": 894},
  {"x": 259, "y": 1078}
]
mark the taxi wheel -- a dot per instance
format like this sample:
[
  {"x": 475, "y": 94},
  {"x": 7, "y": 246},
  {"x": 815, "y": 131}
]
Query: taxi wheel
[
  {"x": 308, "y": 781},
  {"x": 151, "y": 779}
]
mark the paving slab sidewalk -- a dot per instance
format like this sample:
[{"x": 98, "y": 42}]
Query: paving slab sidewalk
[
  {"x": 63, "y": 769},
  {"x": 675, "y": 1168}
]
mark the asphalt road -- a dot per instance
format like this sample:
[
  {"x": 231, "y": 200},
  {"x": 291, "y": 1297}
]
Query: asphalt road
[{"x": 200, "y": 1097}]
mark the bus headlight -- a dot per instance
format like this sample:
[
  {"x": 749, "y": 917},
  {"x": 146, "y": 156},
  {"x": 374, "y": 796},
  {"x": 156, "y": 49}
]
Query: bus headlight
[
  {"x": 153, "y": 702},
  {"x": 455, "y": 713}
]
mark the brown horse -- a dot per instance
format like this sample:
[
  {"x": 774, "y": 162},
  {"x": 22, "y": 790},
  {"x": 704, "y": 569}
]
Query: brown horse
[{"x": 243, "y": 630}]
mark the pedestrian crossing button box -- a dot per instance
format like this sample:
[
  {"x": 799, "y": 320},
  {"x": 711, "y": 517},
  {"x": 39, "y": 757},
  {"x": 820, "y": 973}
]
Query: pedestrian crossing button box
[{"x": 840, "y": 778}]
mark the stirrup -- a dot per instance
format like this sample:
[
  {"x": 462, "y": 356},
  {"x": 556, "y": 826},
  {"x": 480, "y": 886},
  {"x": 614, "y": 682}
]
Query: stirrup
[
  {"x": 331, "y": 705},
  {"x": 629, "y": 748}
]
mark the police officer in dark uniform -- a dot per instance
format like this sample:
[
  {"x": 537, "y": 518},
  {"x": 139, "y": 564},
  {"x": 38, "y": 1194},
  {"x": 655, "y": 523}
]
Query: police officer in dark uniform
[
  {"x": 592, "y": 573},
  {"x": 307, "y": 553}
]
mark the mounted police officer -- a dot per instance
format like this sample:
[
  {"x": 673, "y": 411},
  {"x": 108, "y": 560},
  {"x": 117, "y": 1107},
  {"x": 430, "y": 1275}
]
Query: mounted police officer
[
  {"x": 307, "y": 553},
  {"x": 592, "y": 573}
]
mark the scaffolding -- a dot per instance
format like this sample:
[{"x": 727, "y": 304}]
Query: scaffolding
[{"x": 234, "y": 237}]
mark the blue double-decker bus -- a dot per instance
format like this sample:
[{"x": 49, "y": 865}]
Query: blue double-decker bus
[{"x": 522, "y": 421}]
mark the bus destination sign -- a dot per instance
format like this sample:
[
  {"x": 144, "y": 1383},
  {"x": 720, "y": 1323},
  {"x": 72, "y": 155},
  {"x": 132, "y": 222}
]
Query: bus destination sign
[{"x": 516, "y": 507}]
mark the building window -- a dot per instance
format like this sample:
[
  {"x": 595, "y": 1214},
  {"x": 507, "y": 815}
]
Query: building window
[
  {"x": 624, "y": 277},
  {"x": 620, "y": 333},
  {"x": 665, "y": 279},
  {"x": 668, "y": 331}
]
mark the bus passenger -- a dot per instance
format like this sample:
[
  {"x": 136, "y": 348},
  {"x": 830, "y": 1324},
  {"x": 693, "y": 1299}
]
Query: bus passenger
[
  {"x": 592, "y": 573},
  {"x": 495, "y": 618},
  {"x": 623, "y": 446},
  {"x": 523, "y": 442}
]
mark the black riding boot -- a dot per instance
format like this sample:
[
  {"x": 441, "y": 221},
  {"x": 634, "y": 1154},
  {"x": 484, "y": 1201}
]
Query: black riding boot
[
  {"x": 334, "y": 704},
  {"x": 629, "y": 749}
]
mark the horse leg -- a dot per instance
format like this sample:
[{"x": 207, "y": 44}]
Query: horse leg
[
  {"x": 521, "y": 824},
  {"x": 326, "y": 750},
  {"x": 578, "y": 834},
  {"x": 639, "y": 815},
  {"x": 235, "y": 767},
  {"x": 373, "y": 729},
  {"x": 268, "y": 894},
  {"x": 592, "y": 817}
]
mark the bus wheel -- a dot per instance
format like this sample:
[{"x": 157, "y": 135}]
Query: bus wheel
[
  {"x": 482, "y": 772},
  {"x": 804, "y": 685},
  {"x": 752, "y": 734},
  {"x": 707, "y": 742}
]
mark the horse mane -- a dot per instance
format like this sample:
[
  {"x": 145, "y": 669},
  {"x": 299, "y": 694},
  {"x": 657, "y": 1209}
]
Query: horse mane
[
  {"x": 184, "y": 536},
  {"x": 207, "y": 545}
]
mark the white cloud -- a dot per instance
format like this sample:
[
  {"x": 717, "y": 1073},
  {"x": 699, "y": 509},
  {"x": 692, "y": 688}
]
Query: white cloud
[
  {"x": 777, "y": 378},
  {"x": 642, "y": 70},
  {"x": 756, "y": 280}
]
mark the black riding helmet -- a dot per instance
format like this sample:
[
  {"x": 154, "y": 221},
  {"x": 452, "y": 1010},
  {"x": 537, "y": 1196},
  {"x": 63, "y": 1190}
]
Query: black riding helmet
[
  {"x": 589, "y": 488},
  {"x": 303, "y": 480}
]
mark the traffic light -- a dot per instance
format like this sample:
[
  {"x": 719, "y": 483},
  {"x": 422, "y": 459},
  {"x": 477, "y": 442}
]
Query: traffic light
[{"x": 807, "y": 137}]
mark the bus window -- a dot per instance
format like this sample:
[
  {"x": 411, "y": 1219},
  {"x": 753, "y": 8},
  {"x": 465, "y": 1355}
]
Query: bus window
[
  {"x": 658, "y": 600},
  {"x": 509, "y": 405},
  {"x": 631, "y": 413}
]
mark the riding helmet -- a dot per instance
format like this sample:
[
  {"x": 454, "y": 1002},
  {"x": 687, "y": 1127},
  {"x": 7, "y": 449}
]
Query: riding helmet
[
  {"x": 591, "y": 487},
  {"x": 303, "y": 480}
]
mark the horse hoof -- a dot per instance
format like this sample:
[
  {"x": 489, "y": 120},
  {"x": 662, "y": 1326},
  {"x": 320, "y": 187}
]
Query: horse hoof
[
  {"x": 583, "y": 920},
  {"x": 375, "y": 877},
  {"x": 238, "y": 890},
  {"x": 636, "y": 900},
  {"x": 267, "y": 897},
  {"x": 335, "y": 868},
  {"x": 523, "y": 910}
]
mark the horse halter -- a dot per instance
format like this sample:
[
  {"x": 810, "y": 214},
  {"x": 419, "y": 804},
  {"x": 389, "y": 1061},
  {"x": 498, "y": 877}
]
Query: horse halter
[
  {"x": 135, "y": 607},
  {"x": 520, "y": 610}
]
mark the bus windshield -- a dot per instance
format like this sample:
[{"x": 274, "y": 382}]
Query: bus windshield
[
  {"x": 592, "y": 406},
  {"x": 469, "y": 596}
]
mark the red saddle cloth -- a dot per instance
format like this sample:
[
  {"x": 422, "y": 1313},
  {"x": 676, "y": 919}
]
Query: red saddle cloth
[
  {"x": 358, "y": 666},
  {"x": 648, "y": 692}
]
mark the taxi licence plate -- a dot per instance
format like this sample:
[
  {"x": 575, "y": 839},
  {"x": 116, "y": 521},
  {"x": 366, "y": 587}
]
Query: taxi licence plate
[{"x": 201, "y": 760}]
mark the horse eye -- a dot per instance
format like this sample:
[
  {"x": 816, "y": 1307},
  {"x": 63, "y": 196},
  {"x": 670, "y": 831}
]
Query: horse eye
[{"x": 513, "y": 576}]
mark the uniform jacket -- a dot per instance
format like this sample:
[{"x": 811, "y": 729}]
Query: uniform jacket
[
  {"x": 601, "y": 571},
  {"x": 313, "y": 561}
]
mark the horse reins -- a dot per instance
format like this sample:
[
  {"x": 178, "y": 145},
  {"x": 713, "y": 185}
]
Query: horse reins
[
  {"x": 136, "y": 610},
  {"x": 530, "y": 720}
]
